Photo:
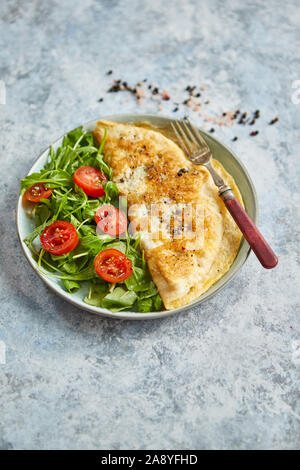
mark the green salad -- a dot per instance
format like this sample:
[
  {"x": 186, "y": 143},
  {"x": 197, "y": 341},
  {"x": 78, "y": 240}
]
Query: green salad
[{"x": 57, "y": 201}]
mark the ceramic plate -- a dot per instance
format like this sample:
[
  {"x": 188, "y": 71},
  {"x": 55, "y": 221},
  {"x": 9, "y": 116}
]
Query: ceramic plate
[{"x": 230, "y": 162}]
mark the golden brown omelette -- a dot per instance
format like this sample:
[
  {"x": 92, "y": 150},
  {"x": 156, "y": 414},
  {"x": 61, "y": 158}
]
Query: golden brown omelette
[{"x": 189, "y": 238}]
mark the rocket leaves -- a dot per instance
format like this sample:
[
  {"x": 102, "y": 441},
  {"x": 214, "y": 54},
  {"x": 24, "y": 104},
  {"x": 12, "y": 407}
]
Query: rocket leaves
[{"x": 69, "y": 202}]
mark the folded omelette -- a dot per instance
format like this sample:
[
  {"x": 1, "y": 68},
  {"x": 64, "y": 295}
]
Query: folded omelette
[{"x": 189, "y": 238}]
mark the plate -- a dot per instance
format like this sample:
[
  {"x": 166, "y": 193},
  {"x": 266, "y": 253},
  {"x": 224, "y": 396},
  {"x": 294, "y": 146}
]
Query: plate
[{"x": 220, "y": 152}]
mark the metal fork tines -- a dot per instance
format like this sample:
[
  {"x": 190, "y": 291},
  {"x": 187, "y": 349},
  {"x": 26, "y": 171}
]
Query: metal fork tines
[
  {"x": 196, "y": 148},
  {"x": 191, "y": 141},
  {"x": 198, "y": 152}
]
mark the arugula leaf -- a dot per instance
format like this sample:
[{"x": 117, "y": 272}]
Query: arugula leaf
[
  {"x": 111, "y": 190},
  {"x": 157, "y": 303},
  {"x": 139, "y": 280},
  {"x": 103, "y": 167},
  {"x": 96, "y": 293},
  {"x": 71, "y": 286},
  {"x": 144, "y": 305},
  {"x": 42, "y": 214},
  {"x": 117, "y": 245}
]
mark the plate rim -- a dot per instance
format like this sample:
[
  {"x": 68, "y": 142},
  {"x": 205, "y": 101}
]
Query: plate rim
[{"x": 127, "y": 315}]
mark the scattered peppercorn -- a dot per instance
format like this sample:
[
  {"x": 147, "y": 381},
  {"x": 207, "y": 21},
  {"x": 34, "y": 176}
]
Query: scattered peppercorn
[
  {"x": 193, "y": 101},
  {"x": 114, "y": 88},
  {"x": 191, "y": 90}
]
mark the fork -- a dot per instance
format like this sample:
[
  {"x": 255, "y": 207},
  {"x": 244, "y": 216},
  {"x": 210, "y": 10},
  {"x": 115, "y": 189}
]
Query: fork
[{"x": 198, "y": 152}]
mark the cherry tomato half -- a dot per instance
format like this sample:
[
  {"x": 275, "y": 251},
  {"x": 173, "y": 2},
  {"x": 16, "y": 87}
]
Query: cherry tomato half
[
  {"x": 37, "y": 192},
  {"x": 59, "y": 238},
  {"x": 113, "y": 266},
  {"x": 90, "y": 180},
  {"x": 111, "y": 220}
]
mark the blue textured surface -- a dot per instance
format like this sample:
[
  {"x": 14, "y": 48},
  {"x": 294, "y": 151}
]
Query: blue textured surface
[{"x": 224, "y": 375}]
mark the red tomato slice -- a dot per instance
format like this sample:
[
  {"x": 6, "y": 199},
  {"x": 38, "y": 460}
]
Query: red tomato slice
[
  {"x": 111, "y": 220},
  {"x": 59, "y": 238},
  {"x": 90, "y": 180},
  {"x": 37, "y": 192},
  {"x": 113, "y": 266}
]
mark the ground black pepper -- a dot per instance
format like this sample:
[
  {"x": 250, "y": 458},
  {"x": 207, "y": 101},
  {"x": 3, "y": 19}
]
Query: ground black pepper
[
  {"x": 181, "y": 171},
  {"x": 114, "y": 88},
  {"x": 193, "y": 101}
]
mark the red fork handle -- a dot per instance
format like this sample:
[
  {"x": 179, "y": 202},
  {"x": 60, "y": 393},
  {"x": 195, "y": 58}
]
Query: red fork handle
[{"x": 263, "y": 251}]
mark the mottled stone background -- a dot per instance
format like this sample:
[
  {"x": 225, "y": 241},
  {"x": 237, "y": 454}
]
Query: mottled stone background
[{"x": 223, "y": 375}]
